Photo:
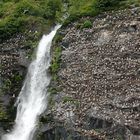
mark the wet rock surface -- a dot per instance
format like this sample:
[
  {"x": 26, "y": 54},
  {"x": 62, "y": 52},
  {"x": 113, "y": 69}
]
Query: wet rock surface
[
  {"x": 100, "y": 76},
  {"x": 14, "y": 60}
]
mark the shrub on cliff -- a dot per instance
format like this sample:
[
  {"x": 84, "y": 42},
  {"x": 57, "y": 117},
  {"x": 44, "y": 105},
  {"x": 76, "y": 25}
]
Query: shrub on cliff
[
  {"x": 56, "y": 60},
  {"x": 87, "y": 24},
  {"x": 14, "y": 16},
  {"x": 18, "y": 15},
  {"x": 52, "y": 9},
  {"x": 3, "y": 115},
  {"x": 104, "y": 5},
  {"x": 79, "y": 8},
  {"x": 10, "y": 26},
  {"x": 27, "y": 8}
]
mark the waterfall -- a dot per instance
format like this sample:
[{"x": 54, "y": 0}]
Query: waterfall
[{"x": 32, "y": 100}]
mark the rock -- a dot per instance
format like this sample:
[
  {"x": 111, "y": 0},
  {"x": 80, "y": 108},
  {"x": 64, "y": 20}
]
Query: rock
[
  {"x": 134, "y": 137},
  {"x": 45, "y": 128},
  {"x": 65, "y": 44},
  {"x": 23, "y": 61},
  {"x": 12, "y": 70},
  {"x": 100, "y": 72},
  {"x": 1, "y": 132},
  {"x": 5, "y": 99}
]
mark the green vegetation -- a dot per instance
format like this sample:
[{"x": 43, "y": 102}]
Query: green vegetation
[
  {"x": 3, "y": 115},
  {"x": 6, "y": 86},
  {"x": 55, "y": 65},
  {"x": 87, "y": 24},
  {"x": 53, "y": 9},
  {"x": 84, "y": 24},
  {"x": 56, "y": 60},
  {"x": 79, "y": 8},
  {"x": 105, "y": 5},
  {"x": 53, "y": 90},
  {"x": 68, "y": 99},
  {"x": 18, "y": 16},
  {"x": 71, "y": 100}
]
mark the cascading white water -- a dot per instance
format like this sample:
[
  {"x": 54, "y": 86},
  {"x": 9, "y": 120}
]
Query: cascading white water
[{"x": 32, "y": 100}]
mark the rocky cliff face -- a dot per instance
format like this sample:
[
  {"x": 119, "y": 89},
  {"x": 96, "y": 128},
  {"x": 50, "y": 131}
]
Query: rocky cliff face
[
  {"x": 100, "y": 77},
  {"x": 15, "y": 56}
]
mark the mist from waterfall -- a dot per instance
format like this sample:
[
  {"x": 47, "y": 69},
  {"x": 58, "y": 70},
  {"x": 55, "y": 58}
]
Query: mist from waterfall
[{"x": 32, "y": 100}]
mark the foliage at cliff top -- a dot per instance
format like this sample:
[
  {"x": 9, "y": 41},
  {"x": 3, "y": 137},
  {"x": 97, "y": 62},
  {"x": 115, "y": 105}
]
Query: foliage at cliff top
[
  {"x": 79, "y": 8},
  {"x": 91, "y": 7},
  {"x": 20, "y": 15}
]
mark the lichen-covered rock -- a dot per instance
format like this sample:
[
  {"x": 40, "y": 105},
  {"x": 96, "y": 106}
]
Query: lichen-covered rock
[{"x": 99, "y": 76}]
